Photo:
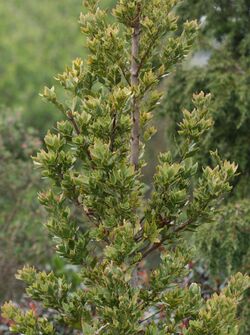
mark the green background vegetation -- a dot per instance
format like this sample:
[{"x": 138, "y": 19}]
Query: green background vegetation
[{"x": 38, "y": 39}]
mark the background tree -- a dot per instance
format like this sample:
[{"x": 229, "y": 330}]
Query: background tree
[
  {"x": 21, "y": 216},
  {"x": 225, "y": 41},
  {"x": 223, "y": 249},
  {"x": 94, "y": 163},
  {"x": 224, "y": 44},
  {"x": 22, "y": 238}
]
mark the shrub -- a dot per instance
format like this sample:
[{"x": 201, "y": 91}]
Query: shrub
[{"x": 94, "y": 162}]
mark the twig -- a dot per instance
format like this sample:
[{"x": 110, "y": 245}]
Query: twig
[
  {"x": 71, "y": 118},
  {"x": 124, "y": 75},
  {"x": 182, "y": 226},
  {"x": 112, "y": 136},
  {"x": 150, "y": 317},
  {"x": 154, "y": 247},
  {"x": 145, "y": 55},
  {"x": 100, "y": 329}
]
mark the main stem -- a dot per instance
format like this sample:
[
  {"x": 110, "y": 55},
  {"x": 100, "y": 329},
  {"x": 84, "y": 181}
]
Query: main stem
[{"x": 135, "y": 135}]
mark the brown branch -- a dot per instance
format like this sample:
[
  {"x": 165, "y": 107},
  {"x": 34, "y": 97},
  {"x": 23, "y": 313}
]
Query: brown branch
[
  {"x": 90, "y": 215},
  {"x": 150, "y": 317},
  {"x": 124, "y": 74},
  {"x": 145, "y": 55},
  {"x": 157, "y": 245},
  {"x": 154, "y": 247},
  {"x": 182, "y": 226},
  {"x": 163, "y": 223},
  {"x": 139, "y": 234},
  {"x": 112, "y": 136},
  {"x": 71, "y": 118},
  {"x": 135, "y": 134}
]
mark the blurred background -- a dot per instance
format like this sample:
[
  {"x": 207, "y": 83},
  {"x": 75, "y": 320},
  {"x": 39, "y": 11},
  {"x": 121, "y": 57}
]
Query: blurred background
[{"x": 37, "y": 40}]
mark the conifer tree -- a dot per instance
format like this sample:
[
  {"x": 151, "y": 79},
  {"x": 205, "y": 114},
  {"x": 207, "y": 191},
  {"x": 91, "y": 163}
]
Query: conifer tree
[
  {"x": 94, "y": 161},
  {"x": 224, "y": 39}
]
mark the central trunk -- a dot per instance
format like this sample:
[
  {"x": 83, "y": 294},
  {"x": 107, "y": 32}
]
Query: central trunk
[{"x": 135, "y": 136}]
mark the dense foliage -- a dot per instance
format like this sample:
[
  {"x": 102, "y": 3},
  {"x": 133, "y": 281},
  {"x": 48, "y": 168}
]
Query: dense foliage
[
  {"x": 224, "y": 249},
  {"x": 28, "y": 45},
  {"x": 94, "y": 160},
  {"x": 229, "y": 238},
  {"x": 22, "y": 238},
  {"x": 225, "y": 40}
]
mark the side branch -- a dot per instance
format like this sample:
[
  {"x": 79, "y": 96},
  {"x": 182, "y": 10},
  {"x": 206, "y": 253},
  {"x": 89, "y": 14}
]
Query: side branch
[
  {"x": 113, "y": 131},
  {"x": 151, "y": 44}
]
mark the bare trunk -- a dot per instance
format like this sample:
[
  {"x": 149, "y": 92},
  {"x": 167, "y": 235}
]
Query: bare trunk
[{"x": 135, "y": 136}]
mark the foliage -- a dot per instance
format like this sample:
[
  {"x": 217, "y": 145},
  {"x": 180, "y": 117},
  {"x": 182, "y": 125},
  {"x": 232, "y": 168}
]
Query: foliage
[
  {"x": 228, "y": 238},
  {"x": 224, "y": 247},
  {"x": 225, "y": 40},
  {"x": 94, "y": 162},
  {"x": 20, "y": 213},
  {"x": 37, "y": 310}
]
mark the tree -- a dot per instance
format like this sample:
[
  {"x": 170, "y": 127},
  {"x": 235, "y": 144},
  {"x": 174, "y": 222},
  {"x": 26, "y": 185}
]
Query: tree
[
  {"x": 224, "y": 39},
  {"x": 223, "y": 247},
  {"x": 94, "y": 162}
]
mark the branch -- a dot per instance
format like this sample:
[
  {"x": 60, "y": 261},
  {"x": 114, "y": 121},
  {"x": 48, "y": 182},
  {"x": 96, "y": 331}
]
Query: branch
[
  {"x": 100, "y": 329},
  {"x": 163, "y": 223},
  {"x": 154, "y": 247},
  {"x": 183, "y": 226},
  {"x": 124, "y": 74},
  {"x": 151, "y": 44},
  {"x": 150, "y": 317},
  {"x": 71, "y": 118},
  {"x": 112, "y": 136},
  {"x": 90, "y": 215},
  {"x": 157, "y": 245}
]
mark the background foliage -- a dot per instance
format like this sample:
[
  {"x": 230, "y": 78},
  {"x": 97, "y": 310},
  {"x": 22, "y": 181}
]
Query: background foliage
[
  {"x": 225, "y": 42},
  {"x": 22, "y": 238},
  {"x": 220, "y": 65},
  {"x": 31, "y": 55}
]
